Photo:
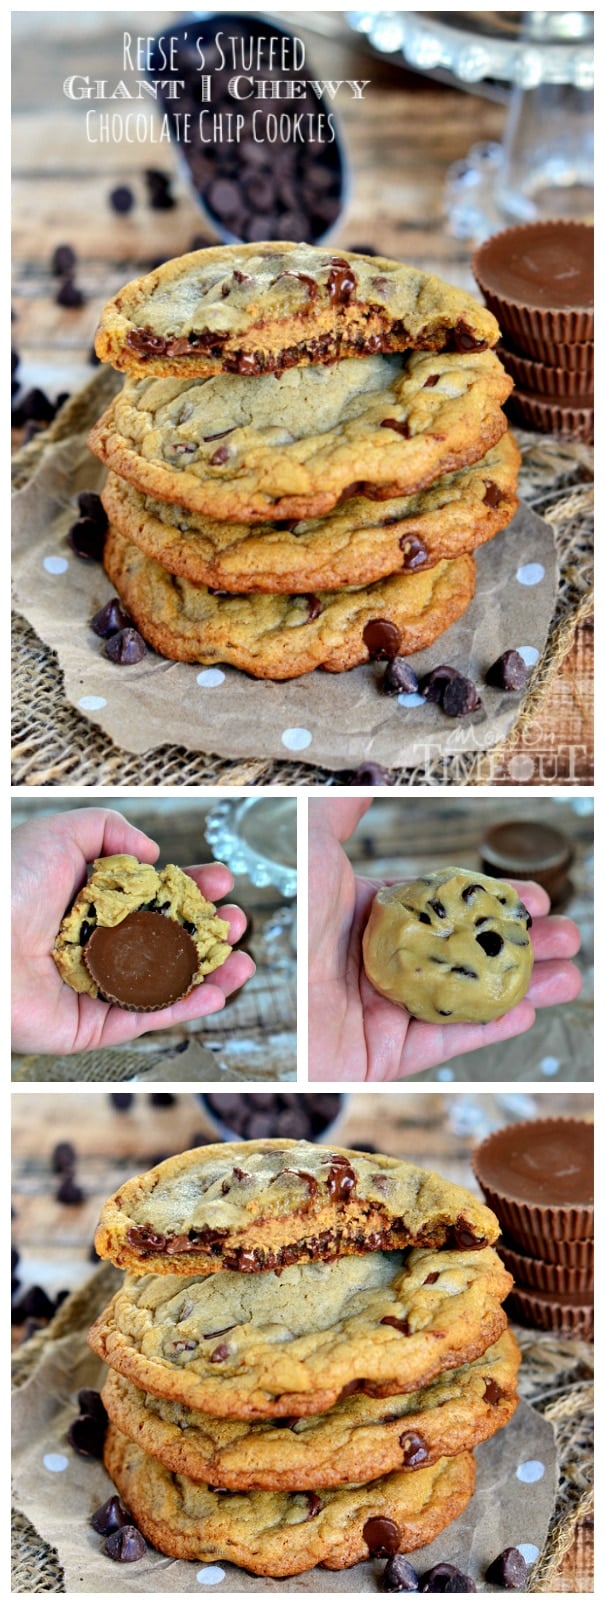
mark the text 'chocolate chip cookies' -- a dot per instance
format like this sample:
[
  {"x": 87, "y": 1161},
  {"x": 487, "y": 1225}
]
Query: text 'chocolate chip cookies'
[
  {"x": 314, "y": 1416},
  {"x": 450, "y": 947},
  {"x": 302, "y": 426}
]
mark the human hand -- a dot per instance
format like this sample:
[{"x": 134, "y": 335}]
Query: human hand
[
  {"x": 50, "y": 857},
  {"x": 354, "y": 1033}
]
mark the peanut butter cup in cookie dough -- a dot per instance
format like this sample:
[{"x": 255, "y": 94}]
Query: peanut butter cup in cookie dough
[
  {"x": 262, "y": 308},
  {"x": 452, "y": 946},
  {"x": 139, "y": 937},
  {"x": 263, "y": 1205}
]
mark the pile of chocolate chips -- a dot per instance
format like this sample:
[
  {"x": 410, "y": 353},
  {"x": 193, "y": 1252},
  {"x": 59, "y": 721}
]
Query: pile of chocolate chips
[
  {"x": 508, "y": 1571},
  {"x": 254, "y": 187},
  {"x": 302, "y": 1116}
]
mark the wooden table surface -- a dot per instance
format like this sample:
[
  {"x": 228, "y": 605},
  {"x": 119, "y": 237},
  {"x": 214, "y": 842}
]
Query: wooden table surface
[
  {"x": 401, "y": 838},
  {"x": 254, "y": 1036},
  {"x": 54, "y": 1240},
  {"x": 401, "y": 139}
]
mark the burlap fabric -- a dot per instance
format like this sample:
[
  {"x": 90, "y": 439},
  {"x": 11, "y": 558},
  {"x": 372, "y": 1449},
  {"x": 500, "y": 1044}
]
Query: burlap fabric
[
  {"x": 54, "y": 745},
  {"x": 556, "y": 1378}
]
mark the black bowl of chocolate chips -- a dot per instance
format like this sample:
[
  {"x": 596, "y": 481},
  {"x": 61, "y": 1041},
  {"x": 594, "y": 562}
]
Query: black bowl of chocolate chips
[
  {"x": 254, "y": 1116},
  {"x": 253, "y": 127}
]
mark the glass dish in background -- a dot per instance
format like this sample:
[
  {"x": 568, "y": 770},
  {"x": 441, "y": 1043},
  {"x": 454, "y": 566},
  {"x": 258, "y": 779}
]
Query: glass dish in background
[{"x": 256, "y": 836}]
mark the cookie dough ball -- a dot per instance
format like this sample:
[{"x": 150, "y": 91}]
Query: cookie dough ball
[
  {"x": 453, "y": 946},
  {"x": 138, "y": 936}
]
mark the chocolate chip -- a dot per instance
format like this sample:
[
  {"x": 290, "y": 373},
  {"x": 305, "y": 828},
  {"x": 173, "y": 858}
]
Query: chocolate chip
[
  {"x": 121, "y": 199},
  {"x": 69, "y": 1191},
  {"x": 437, "y": 907},
  {"x": 399, "y": 678},
  {"x": 121, "y": 1100},
  {"x": 68, "y": 294},
  {"x": 429, "y": 1280},
  {"x": 432, "y": 685},
  {"x": 34, "y": 1304},
  {"x": 415, "y": 1449},
  {"x": 63, "y": 1157},
  {"x": 126, "y": 647},
  {"x": 509, "y": 1570},
  {"x": 91, "y": 506},
  {"x": 433, "y": 379},
  {"x": 127, "y": 1544},
  {"x": 90, "y": 1402},
  {"x": 314, "y": 1505},
  {"x": 399, "y": 1576},
  {"x": 110, "y": 619},
  {"x": 63, "y": 260},
  {"x": 446, "y": 1578},
  {"x": 491, "y": 943},
  {"x": 314, "y": 607},
  {"x": 413, "y": 552},
  {"x": 424, "y": 918},
  {"x": 219, "y": 1353},
  {"x": 342, "y": 282},
  {"x": 400, "y": 1323},
  {"x": 492, "y": 1392},
  {"x": 468, "y": 892},
  {"x": 461, "y": 969},
  {"x": 460, "y": 696},
  {"x": 87, "y": 1435},
  {"x": 109, "y": 1517},
  {"x": 508, "y": 673},
  {"x": 401, "y": 426},
  {"x": 381, "y": 1535},
  {"x": 15, "y": 359},
  {"x": 382, "y": 638},
  {"x": 492, "y": 494},
  {"x": 461, "y": 1236},
  {"x": 371, "y": 774},
  {"x": 35, "y": 404},
  {"x": 87, "y": 540},
  {"x": 463, "y": 338}
]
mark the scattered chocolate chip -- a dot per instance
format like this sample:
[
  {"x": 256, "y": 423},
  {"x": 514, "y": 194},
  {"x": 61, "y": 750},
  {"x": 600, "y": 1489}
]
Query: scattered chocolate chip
[
  {"x": 121, "y": 199},
  {"x": 509, "y": 1570},
  {"x": 91, "y": 506},
  {"x": 382, "y": 638},
  {"x": 399, "y": 1576},
  {"x": 432, "y": 685},
  {"x": 35, "y": 1304},
  {"x": 126, "y": 1545},
  {"x": 446, "y": 1578},
  {"x": 110, "y": 619},
  {"x": 159, "y": 193},
  {"x": 87, "y": 1435},
  {"x": 126, "y": 647},
  {"x": 491, "y": 943},
  {"x": 63, "y": 260},
  {"x": 15, "y": 1257},
  {"x": 162, "y": 1099},
  {"x": 460, "y": 696},
  {"x": 60, "y": 1297},
  {"x": 86, "y": 539},
  {"x": 399, "y": 678},
  {"x": 381, "y": 1535},
  {"x": 63, "y": 1157},
  {"x": 93, "y": 359},
  {"x": 36, "y": 405},
  {"x": 508, "y": 673},
  {"x": 69, "y": 295},
  {"x": 121, "y": 1100},
  {"x": 90, "y": 1402},
  {"x": 109, "y": 1517},
  {"x": 371, "y": 774},
  {"x": 69, "y": 1191}
]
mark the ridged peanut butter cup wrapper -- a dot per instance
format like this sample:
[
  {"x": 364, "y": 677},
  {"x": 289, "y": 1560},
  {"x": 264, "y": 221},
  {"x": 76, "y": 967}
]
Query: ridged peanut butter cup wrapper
[
  {"x": 538, "y": 1178},
  {"x": 145, "y": 963},
  {"x": 574, "y": 358},
  {"x": 548, "y": 416},
  {"x": 538, "y": 280},
  {"x": 539, "y": 379},
  {"x": 571, "y": 1316},
  {"x": 538, "y": 1275}
]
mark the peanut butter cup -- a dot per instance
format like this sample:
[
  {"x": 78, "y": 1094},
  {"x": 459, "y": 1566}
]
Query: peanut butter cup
[
  {"x": 558, "y": 382},
  {"x": 525, "y": 849},
  {"x": 569, "y": 1313},
  {"x": 539, "y": 1276},
  {"x": 537, "y": 1177},
  {"x": 574, "y": 419},
  {"x": 142, "y": 964},
  {"x": 538, "y": 280}
]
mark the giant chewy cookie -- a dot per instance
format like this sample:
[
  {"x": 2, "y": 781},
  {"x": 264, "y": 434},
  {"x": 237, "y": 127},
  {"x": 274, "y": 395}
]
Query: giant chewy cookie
[
  {"x": 263, "y": 308},
  {"x": 263, "y": 448},
  {"x": 356, "y": 544},
  {"x": 451, "y": 946},
  {"x": 292, "y": 1344},
  {"x": 264, "y": 1205},
  {"x": 280, "y": 637},
  {"x": 360, "y": 1438},
  {"x": 139, "y": 936},
  {"x": 282, "y": 1534}
]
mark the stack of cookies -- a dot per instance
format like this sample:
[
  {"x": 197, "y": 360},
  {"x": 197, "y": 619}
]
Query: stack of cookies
[
  {"x": 307, "y": 1345},
  {"x": 305, "y": 453}
]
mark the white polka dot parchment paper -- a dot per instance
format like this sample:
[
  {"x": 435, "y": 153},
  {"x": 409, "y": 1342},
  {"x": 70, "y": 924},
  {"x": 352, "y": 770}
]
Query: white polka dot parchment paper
[
  {"x": 505, "y": 1509},
  {"x": 334, "y": 720}
]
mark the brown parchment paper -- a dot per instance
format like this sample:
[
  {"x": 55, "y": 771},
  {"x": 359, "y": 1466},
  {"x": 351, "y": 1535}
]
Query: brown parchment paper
[
  {"x": 504, "y": 1510},
  {"x": 344, "y": 718}
]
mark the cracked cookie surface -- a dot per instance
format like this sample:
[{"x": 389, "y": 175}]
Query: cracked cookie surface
[
  {"x": 357, "y": 543},
  {"x": 281, "y": 637},
  {"x": 120, "y": 886},
  {"x": 450, "y": 947},
  {"x": 358, "y": 1439},
  {"x": 265, "y": 307},
  {"x": 264, "y": 1205},
  {"x": 252, "y": 1346},
  {"x": 265, "y": 448}
]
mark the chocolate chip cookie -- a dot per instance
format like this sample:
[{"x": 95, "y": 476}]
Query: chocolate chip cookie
[
  {"x": 450, "y": 947},
  {"x": 256, "y": 1206},
  {"x": 360, "y": 1438},
  {"x": 280, "y": 637},
  {"x": 139, "y": 936},
  {"x": 355, "y": 544},
  {"x": 282, "y": 1534},
  {"x": 257, "y": 309},
  {"x": 252, "y": 1346},
  {"x": 263, "y": 448}
]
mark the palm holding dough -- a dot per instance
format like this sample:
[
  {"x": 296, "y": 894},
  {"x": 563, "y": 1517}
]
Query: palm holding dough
[{"x": 449, "y": 946}]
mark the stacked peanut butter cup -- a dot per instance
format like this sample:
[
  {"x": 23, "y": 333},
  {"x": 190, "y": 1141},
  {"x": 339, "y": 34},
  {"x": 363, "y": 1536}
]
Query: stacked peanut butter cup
[
  {"x": 306, "y": 452},
  {"x": 538, "y": 1177},
  {"x": 538, "y": 280},
  {"x": 307, "y": 1346}
]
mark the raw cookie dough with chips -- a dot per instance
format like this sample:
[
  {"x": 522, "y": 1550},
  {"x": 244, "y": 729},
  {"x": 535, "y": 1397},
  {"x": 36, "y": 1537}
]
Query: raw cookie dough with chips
[{"x": 450, "y": 946}]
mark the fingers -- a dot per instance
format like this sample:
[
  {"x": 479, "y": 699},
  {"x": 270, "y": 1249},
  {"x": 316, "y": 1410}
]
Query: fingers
[
  {"x": 554, "y": 981},
  {"x": 100, "y": 832},
  {"x": 555, "y": 938},
  {"x": 209, "y": 998},
  {"x": 429, "y": 1046},
  {"x": 214, "y": 880},
  {"x": 236, "y": 920},
  {"x": 339, "y": 815},
  {"x": 533, "y": 897}
]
